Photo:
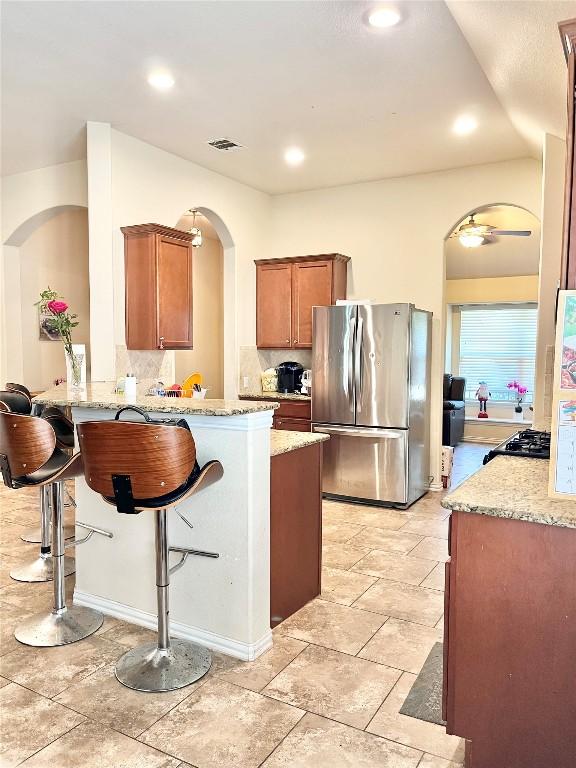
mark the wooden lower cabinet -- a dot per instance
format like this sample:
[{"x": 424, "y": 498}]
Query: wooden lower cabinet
[
  {"x": 295, "y": 530},
  {"x": 510, "y": 642}
]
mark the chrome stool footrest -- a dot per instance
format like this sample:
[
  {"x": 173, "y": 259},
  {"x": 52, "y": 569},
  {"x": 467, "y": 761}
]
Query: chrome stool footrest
[{"x": 152, "y": 669}]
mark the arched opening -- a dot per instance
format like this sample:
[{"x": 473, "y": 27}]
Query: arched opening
[
  {"x": 214, "y": 285},
  {"x": 492, "y": 261},
  {"x": 49, "y": 249}
]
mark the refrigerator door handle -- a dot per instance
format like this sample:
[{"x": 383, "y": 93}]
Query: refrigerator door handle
[
  {"x": 350, "y": 361},
  {"x": 360, "y": 432},
  {"x": 358, "y": 363}
]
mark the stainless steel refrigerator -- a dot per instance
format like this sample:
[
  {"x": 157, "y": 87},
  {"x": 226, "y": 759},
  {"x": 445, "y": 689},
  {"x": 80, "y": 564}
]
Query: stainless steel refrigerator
[{"x": 371, "y": 394}]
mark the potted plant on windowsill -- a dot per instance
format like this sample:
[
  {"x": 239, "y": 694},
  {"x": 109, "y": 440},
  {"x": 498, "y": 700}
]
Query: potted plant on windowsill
[
  {"x": 62, "y": 322},
  {"x": 520, "y": 392}
]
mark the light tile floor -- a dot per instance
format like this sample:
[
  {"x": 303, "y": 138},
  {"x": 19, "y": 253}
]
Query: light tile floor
[{"x": 327, "y": 695}]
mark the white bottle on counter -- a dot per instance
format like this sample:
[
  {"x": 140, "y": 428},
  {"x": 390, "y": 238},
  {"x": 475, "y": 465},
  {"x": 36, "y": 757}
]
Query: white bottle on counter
[{"x": 130, "y": 386}]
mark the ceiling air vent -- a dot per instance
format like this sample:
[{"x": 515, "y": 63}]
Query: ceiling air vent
[{"x": 224, "y": 145}]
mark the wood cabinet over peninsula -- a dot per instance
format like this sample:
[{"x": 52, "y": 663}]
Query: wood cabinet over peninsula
[
  {"x": 286, "y": 291},
  {"x": 158, "y": 285}
]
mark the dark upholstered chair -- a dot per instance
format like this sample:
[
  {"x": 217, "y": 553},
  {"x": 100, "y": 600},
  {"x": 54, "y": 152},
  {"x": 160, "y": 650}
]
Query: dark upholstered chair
[{"x": 454, "y": 410}]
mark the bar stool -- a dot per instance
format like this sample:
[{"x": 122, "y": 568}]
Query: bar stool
[
  {"x": 29, "y": 457},
  {"x": 17, "y": 398},
  {"x": 151, "y": 467},
  {"x": 63, "y": 427},
  {"x": 40, "y": 569}
]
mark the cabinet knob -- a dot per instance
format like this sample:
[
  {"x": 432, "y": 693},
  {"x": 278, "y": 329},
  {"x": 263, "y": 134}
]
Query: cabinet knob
[
  {"x": 295, "y": 341},
  {"x": 287, "y": 341},
  {"x": 161, "y": 342}
]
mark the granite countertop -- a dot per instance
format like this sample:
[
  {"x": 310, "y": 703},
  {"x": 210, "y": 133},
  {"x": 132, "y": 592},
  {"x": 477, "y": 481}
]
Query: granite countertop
[
  {"x": 102, "y": 395},
  {"x": 514, "y": 488},
  {"x": 274, "y": 396},
  {"x": 284, "y": 441}
]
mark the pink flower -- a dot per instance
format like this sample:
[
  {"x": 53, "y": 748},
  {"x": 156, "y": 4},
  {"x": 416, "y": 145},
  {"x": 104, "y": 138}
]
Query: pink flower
[
  {"x": 522, "y": 390},
  {"x": 57, "y": 307}
]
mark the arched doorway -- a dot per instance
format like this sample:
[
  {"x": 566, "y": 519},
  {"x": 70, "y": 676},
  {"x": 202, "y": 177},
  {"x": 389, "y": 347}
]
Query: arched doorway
[
  {"x": 49, "y": 248},
  {"x": 214, "y": 276},
  {"x": 492, "y": 259}
]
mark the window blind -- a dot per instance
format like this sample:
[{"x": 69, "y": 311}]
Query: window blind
[{"x": 498, "y": 345}]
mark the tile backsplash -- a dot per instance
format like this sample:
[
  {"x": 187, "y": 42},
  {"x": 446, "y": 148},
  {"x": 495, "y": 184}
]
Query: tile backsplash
[
  {"x": 254, "y": 361},
  {"x": 149, "y": 365}
]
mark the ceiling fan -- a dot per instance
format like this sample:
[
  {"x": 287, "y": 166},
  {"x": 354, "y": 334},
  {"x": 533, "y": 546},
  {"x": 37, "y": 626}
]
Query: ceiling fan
[{"x": 471, "y": 234}]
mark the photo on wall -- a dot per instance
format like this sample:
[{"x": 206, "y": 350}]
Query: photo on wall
[{"x": 47, "y": 330}]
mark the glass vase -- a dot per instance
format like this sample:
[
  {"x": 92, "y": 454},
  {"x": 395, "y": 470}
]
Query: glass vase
[{"x": 76, "y": 359}]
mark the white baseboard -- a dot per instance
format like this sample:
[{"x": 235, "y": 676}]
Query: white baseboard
[
  {"x": 436, "y": 487},
  {"x": 243, "y": 651}
]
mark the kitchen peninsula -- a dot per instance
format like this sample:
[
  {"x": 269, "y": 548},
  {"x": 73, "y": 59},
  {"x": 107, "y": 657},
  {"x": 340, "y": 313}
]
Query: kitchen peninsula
[
  {"x": 510, "y": 619},
  {"x": 222, "y": 603}
]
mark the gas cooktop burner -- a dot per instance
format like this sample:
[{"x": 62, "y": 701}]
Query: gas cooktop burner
[{"x": 528, "y": 442}]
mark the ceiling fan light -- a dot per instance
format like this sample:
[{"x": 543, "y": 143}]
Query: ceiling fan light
[{"x": 471, "y": 240}]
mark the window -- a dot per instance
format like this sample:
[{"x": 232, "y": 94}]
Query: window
[{"x": 498, "y": 345}]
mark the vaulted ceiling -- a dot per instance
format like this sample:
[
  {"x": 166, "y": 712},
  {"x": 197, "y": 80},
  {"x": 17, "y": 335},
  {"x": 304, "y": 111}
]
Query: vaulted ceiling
[{"x": 362, "y": 103}]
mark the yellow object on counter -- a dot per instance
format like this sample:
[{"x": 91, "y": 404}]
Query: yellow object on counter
[{"x": 188, "y": 385}]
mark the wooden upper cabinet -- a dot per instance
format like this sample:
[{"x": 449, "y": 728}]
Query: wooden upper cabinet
[
  {"x": 568, "y": 275},
  {"x": 158, "y": 283},
  {"x": 274, "y": 305},
  {"x": 286, "y": 291}
]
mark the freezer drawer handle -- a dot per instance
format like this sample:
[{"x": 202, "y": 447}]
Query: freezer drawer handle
[{"x": 366, "y": 432}]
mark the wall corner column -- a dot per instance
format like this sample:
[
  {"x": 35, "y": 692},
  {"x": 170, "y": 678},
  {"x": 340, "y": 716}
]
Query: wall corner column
[
  {"x": 99, "y": 162},
  {"x": 550, "y": 270}
]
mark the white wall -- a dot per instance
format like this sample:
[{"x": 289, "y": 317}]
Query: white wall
[
  {"x": 28, "y": 200},
  {"x": 394, "y": 232},
  {"x": 55, "y": 255},
  {"x": 150, "y": 185},
  {"x": 553, "y": 174}
]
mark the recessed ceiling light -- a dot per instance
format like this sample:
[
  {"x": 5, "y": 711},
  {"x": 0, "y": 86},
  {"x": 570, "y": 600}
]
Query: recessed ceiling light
[
  {"x": 163, "y": 81},
  {"x": 294, "y": 156},
  {"x": 465, "y": 124},
  {"x": 384, "y": 17}
]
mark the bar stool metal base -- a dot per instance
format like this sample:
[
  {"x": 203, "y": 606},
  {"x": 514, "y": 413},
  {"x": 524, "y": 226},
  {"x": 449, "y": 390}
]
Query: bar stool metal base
[
  {"x": 152, "y": 669},
  {"x": 34, "y": 535},
  {"x": 41, "y": 569},
  {"x": 69, "y": 624}
]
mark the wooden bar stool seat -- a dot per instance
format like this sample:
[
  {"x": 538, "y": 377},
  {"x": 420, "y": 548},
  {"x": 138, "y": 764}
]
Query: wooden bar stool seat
[
  {"x": 16, "y": 398},
  {"x": 29, "y": 457},
  {"x": 141, "y": 467}
]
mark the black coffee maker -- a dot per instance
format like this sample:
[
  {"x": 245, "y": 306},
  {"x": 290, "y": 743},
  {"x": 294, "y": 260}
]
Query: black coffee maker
[{"x": 289, "y": 377}]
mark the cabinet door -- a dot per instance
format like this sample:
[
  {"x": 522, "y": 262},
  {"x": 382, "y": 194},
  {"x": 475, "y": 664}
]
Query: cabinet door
[
  {"x": 174, "y": 293},
  {"x": 312, "y": 286},
  {"x": 273, "y": 305}
]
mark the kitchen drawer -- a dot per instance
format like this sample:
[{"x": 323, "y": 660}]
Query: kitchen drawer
[
  {"x": 294, "y": 409},
  {"x": 296, "y": 425},
  {"x": 290, "y": 409}
]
